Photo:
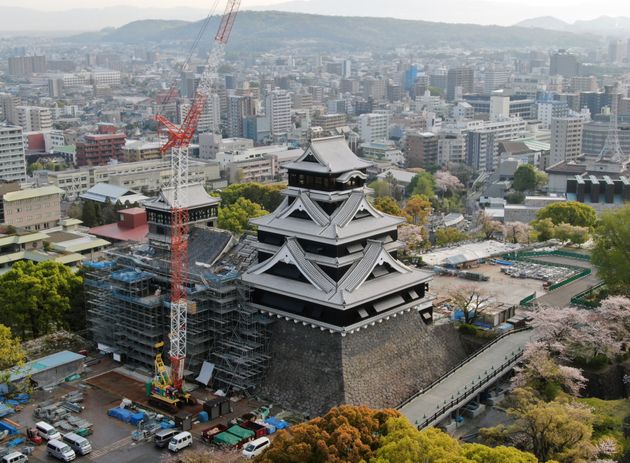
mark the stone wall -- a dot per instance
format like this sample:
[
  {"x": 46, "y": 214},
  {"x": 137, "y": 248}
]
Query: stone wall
[{"x": 312, "y": 370}]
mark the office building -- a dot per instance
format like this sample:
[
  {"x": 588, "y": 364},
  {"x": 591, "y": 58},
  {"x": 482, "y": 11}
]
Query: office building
[
  {"x": 33, "y": 208},
  {"x": 519, "y": 105},
  {"x": 330, "y": 122},
  {"x": 617, "y": 51},
  {"x": 12, "y": 156},
  {"x": 459, "y": 82},
  {"x": 550, "y": 109},
  {"x": 8, "y": 105},
  {"x": 99, "y": 149},
  {"x": 451, "y": 148},
  {"x": 374, "y": 127},
  {"x": 212, "y": 143},
  {"x": 564, "y": 64},
  {"x": 421, "y": 150},
  {"x": 495, "y": 80},
  {"x": 210, "y": 118},
  {"x": 482, "y": 145},
  {"x": 595, "y": 133},
  {"x": 566, "y": 138},
  {"x": 584, "y": 84},
  {"x": 374, "y": 88}
]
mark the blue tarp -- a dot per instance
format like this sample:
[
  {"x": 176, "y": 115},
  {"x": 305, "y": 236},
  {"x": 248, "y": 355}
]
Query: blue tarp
[
  {"x": 278, "y": 423},
  {"x": 125, "y": 415},
  {"x": 7, "y": 427},
  {"x": 5, "y": 410}
]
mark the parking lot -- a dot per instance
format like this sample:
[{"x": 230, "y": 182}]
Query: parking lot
[{"x": 111, "y": 439}]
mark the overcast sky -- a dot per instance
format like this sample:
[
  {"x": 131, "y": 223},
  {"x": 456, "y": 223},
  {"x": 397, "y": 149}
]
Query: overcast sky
[{"x": 474, "y": 11}]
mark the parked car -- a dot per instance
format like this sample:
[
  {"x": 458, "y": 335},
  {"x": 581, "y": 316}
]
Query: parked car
[
  {"x": 180, "y": 441},
  {"x": 256, "y": 447}
]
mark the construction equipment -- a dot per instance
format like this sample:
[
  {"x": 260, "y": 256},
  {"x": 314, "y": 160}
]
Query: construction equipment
[
  {"x": 179, "y": 139},
  {"x": 163, "y": 392}
]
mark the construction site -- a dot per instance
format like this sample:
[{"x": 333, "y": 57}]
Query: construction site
[{"x": 128, "y": 307}]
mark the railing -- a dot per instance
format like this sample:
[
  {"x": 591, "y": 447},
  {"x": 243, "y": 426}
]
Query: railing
[
  {"x": 528, "y": 300},
  {"x": 579, "y": 300},
  {"x": 473, "y": 389},
  {"x": 457, "y": 367}
]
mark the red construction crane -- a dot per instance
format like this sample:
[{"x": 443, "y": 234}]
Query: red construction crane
[{"x": 179, "y": 138}]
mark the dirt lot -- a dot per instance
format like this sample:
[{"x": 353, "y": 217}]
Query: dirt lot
[{"x": 506, "y": 289}]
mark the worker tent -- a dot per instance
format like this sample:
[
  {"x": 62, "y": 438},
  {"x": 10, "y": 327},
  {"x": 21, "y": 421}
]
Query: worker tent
[
  {"x": 225, "y": 438},
  {"x": 242, "y": 433}
]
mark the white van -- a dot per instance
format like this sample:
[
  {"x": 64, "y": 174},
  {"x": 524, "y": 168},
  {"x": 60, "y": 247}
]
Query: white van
[
  {"x": 14, "y": 457},
  {"x": 256, "y": 447},
  {"x": 46, "y": 431},
  {"x": 60, "y": 450},
  {"x": 77, "y": 443},
  {"x": 180, "y": 441}
]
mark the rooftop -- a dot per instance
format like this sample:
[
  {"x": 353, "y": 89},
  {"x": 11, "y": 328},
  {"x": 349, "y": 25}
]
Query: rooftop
[
  {"x": 330, "y": 155},
  {"x": 45, "y": 363},
  {"x": 31, "y": 193}
]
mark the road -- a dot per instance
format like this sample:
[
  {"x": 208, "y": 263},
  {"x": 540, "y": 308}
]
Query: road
[
  {"x": 561, "y": 297},
  {"x": 457, "y": 384}
]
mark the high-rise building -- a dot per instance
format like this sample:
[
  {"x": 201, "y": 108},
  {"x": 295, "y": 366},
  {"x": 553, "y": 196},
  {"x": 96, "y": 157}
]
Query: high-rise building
[
  {"x": 451, "y": 148},
  {"x": 55, "y": 87},
  {"x": 595, "y": 133},
  {"x": 374, "y": 127},
  {"x": 566, "y": 138},
  {"x": 99, "y": 149},
  {"x": 616, "y": 51},
  {"x": 210, "y": 118},
  {"x": 239, "y": 107},
  {"x": 34, "y": 118},
  {"x": 584, "y": 84},
  {"x": 27, "y": 65},
  {"x": 410, "y": 77},
  {"x": 564, "y": 64},
  {"x": 12, "y": 156},
  {"x": 550, "y": 109},
  {"x": 8, "y": 105},
  {"x": 459, "y": 81},
  {"x": 328, "y": 271},
  {"x": 278, "y": 111},
  {"x": 374, "y": 88},
  {"x": 421, "y": 149},
  {"x": 349, "y": 86}
]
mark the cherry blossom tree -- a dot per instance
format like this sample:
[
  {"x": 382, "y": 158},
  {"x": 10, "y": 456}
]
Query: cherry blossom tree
[
  {"x": 445, "y": 181},
  {"x": 517, "y": 232}
]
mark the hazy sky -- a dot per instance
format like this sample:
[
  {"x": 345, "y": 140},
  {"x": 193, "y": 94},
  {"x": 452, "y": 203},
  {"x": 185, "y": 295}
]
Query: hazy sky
[{"x": 476, "y": 11}]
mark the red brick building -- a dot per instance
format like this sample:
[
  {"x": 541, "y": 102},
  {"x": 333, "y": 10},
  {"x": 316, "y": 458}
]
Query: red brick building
[{"x": 99, "y": 149}]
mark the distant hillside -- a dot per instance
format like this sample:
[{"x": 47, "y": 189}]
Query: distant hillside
[
  {"x": 265, "y": 30},
  {"x": 604, "y": 25},
  {"x": 545, "y": 22}
]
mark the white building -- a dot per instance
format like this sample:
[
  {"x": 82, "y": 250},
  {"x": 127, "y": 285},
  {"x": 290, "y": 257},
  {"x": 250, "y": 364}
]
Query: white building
[
  {"x": 12, "y": 156},
  {"x": 34, "y": 118},
  {"x": 374, "y": 127},
  {"x": 566, "y": 138},
  {"x": 482, "y": 150},
  {"x": 212, "y": 143},
  {"x": 495, "y": 80},
  {"x": 210, "y": 118},
  {"x": 278, "y": 112},
  {"x": 547, "y": 110}
]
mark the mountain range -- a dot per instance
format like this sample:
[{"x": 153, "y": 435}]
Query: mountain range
[
  {"x": 604, "y": 25},
  {"x": 257, "y": 31}
]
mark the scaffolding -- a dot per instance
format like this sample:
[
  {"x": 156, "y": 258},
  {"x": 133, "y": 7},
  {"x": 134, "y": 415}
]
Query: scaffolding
[{"x": 128, "y": 311}]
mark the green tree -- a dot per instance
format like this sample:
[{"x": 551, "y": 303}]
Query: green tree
[
  {"x": 418, "y": 208},
  {"x": 612, "y": 250},
  {"x": 33, "y": 167},
  {"x": 571, "y": 212},
  {"x": 515, "y": 197},
  {"x": 268, "y": 196},
  {"x": 381, "y": 188},
  {"x": 89, "y": 214},
  {"x": 544, "y": 229},
  {"x": 403, "y": 443},
  {"x": 11, "y": 352},
  {"x": 38, "y": 297},
  {"x": 390, "y": 206},
  {"x": 235, "y": 217},
  {"x": 448, "y": 235},
  {"x": 558, "y": 430},
  {"x": 525, "y": 178},
  {"x": 570, "y": 233},
  {"x": 422, "y": 184},
  {"x": 542, "y": 179}
]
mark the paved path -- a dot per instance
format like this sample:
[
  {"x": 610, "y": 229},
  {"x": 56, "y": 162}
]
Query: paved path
[{"x": 459, "y": 384}]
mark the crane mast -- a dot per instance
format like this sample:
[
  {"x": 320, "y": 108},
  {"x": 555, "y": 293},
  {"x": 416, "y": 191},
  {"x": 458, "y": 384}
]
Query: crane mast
[{"x": 179, "y": 138}]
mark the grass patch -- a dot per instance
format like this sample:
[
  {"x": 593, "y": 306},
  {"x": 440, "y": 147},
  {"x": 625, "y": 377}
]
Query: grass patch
[{"x": 609, "y": 418}]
